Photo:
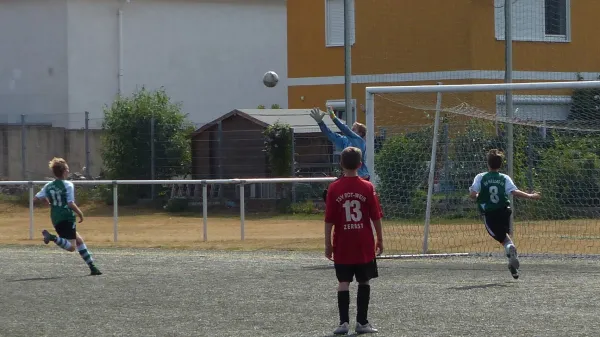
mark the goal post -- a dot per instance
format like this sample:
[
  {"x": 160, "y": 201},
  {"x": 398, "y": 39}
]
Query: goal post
[{"x": 426, "y": 143}]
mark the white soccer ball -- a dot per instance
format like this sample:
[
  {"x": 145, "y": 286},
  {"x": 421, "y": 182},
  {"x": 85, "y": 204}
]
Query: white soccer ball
[{"x": 270, "y": 79}]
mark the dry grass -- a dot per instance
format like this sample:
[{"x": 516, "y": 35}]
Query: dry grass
[{"x": 145, "y": 228}]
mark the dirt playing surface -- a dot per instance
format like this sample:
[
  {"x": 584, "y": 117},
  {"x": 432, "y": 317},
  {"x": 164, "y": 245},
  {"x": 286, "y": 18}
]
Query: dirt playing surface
[
  {"x": 144, "y": 228},
  {"x": 158, "y": 292},
  {"x": 140, "y": 227}
]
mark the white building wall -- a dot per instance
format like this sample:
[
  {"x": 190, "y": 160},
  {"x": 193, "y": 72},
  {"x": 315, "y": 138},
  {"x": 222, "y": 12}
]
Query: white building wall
[
  {"x": 33, "y": 60},
  {"x": 93, "y": 58},
  {"x": 208, "y": 55}
]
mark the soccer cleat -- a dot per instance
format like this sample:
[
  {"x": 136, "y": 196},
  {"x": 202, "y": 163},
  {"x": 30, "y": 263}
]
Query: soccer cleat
[
  {"x": 95, "y": 271},
  {"x": 48, "y": 237},
  {"x": 366, "y": 328},
  {"x": 342, "y": 329},
  {"x": 513, "y": 262}
]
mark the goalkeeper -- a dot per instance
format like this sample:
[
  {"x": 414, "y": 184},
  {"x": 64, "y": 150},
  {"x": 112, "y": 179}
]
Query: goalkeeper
[{"x": 354, "y": 137}]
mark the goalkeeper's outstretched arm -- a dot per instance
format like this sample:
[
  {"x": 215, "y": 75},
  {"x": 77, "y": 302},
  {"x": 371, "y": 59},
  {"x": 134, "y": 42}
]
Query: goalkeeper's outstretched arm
[{"x": 341, "y": 142}]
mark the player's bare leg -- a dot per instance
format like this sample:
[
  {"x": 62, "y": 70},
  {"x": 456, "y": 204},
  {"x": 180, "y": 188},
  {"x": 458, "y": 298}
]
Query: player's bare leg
[
  {"x": 344, "y": 308},
  {"x": 86, "y": 255},
  {"x": 362, "y": 308},
  {"x": 513, "y": 258}
]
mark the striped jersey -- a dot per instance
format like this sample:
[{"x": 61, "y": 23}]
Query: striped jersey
[{"x": 59, "y": 193}]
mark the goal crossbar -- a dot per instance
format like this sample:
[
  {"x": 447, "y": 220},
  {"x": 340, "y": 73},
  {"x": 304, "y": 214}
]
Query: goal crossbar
[{"x": 481, "y": 87}]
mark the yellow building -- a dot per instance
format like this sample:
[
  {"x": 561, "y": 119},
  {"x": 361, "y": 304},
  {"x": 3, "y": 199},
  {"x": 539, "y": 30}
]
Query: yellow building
[{"x": 409, "y": 42}]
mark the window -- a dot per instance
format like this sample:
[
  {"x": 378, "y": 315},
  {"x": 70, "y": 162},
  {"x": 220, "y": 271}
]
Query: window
[
  {"x": 535, "y": 20},
  {"x": 556, "y": 17},
  {"x": 334, "y": 23},
  {"x": 541, "y": 108}
]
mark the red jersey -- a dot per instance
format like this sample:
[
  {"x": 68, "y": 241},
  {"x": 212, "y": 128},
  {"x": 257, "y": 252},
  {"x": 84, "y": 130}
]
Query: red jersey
[{"x": 351, "y": 205}]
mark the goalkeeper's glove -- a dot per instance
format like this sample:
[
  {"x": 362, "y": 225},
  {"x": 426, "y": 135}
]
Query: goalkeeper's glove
[
  {"x": 317, "y": 115},
  {"x": 331, "y": 113}
]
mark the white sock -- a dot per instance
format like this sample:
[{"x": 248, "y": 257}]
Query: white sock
[{"x": 507, "y": 246}]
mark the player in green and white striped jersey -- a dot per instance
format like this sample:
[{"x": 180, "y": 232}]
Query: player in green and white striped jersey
[
  {"x": 492, "y": 190},
  {"x": 60, "y": 195}
]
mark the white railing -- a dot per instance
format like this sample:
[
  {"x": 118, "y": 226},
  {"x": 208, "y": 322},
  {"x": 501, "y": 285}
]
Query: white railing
[{"x": 204, "y": 183}]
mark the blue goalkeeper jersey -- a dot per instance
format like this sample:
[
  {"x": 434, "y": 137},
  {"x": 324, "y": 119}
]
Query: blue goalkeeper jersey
[{"x": 349, "y": 138}]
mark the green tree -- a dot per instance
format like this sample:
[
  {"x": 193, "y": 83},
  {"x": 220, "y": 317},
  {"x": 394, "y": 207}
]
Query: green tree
[
  {"x": 126, "y": 140},
  {"x": 278, "y": 146}
]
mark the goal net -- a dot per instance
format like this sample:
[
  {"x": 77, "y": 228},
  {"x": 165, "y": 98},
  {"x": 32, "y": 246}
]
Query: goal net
[{"x": 429, "y": 142}]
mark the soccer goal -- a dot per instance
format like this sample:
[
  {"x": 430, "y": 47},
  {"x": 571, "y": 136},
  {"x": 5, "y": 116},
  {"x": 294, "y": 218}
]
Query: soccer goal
[{"x": 427, "y": 143}]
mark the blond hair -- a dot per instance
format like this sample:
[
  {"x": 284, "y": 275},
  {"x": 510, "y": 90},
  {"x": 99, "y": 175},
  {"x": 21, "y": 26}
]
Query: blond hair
[
  {"x": 361, "y": 129},
  {"x": 58, "y": 166}
]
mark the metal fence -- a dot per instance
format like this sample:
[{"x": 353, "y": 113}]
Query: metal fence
[{"x": 204, "y": 184}]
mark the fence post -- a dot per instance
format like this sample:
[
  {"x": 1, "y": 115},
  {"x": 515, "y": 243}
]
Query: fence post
[
  {"x": 152, "y": 157},
  {"x": 86, "y": 134},
  {"x": 31, "y": 194},
  {"x": 220, "y": 159},
  {"x": 508, "y": 78},
  {"x": 293, "y": 164},
  {"x": 115, "y": 211},
  {"x": 23, "y": 148},
  {"x": 530, "y": 160},
  {"x": 242, "y": 209},
  {"x": 446, "y": 169},
  {"x": 205, "y": 211}
]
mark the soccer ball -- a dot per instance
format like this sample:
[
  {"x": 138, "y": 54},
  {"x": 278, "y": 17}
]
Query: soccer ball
[{"x": 270, "y": 79}]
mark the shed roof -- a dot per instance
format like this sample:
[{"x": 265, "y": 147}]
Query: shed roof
[{"x": 299, "y": 119}]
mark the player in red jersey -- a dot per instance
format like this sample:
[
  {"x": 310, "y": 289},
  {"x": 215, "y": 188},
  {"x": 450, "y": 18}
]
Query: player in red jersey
[{"x": 351, "y": 205}]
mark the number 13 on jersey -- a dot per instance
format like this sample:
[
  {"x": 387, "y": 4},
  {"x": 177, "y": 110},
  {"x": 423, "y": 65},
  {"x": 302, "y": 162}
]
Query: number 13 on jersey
[{"x": 353, "y": 212}]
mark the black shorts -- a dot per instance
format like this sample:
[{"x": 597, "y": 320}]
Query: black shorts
[
  {"x": 66, "y": 230},
  {"x": 497, "y": 223},
  {"x": 362, "y": 272}
]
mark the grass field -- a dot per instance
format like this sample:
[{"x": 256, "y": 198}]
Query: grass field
[{"x": 145, "y": 228}]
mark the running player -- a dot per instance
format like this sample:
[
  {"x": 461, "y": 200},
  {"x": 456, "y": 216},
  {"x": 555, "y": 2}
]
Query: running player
[
  {"x": 491, "y": 191},
  {"x": 60, "y": 195}
]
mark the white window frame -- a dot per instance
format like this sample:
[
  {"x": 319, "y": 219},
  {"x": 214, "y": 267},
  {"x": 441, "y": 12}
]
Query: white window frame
[
  {"x": 540, "y": 36},
  {"x": 328, "y": 42},
  {"x": 560, "y": 38},
  {"x": 339, "y": 106},
  {"x": 561, "y": 100},
  {"x": 533, "y": 100}
]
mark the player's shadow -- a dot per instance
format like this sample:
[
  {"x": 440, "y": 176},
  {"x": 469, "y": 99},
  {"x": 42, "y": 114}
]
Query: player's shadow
[
  {"x": 330, "y": 266},
  {"x": 348, "y": 335},
  {"x": 319, "y": 267},
  {"x": 31, "y": 279},
  {"x": 481, "y": 286}
]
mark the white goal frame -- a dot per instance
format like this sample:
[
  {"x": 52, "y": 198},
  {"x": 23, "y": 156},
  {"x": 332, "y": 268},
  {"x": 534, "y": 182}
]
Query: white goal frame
[{"x": 440, "y": 89}]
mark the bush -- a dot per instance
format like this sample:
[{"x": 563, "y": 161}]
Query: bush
[
  {"x": 177, "y": 205},
  {"x": 402, "y": 167},
  {"x": 306, "y": 207},
  {"x": 571, "y": 175},
  {"x": 468, "y": 153}
]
